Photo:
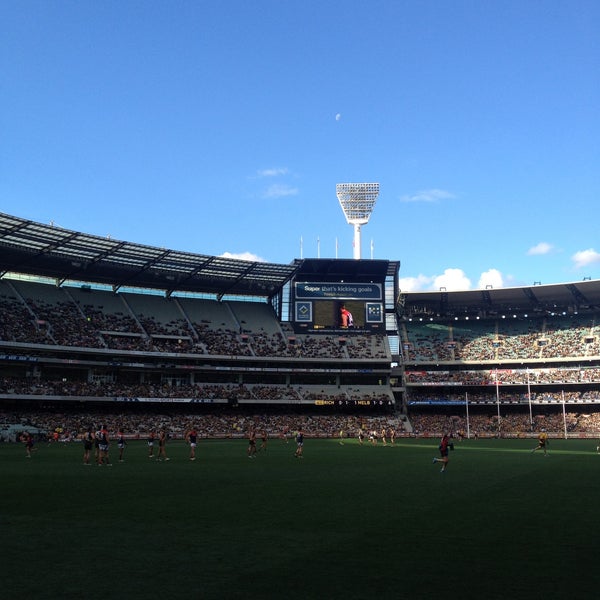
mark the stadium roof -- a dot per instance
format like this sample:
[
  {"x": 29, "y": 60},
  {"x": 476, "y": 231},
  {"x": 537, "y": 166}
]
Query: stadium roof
[
  {"x": 334, "y": 269},
  {"x": 572, "y": 297},
  {"x": 53, "y": 252},
  {"x": 49, "y": 251}
]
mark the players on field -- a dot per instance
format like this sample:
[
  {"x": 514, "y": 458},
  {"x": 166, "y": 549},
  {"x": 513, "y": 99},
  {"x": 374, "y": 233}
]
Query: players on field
[
  {"x": 27, "y": 440},
  {"x": 162, "y": 446},
  {"x": 299, "y": 444},
  {"x": 252, "y": 444},
  {"x": 444, "y": 447},
  {"x": 103, "y": 445},
  {"x": 542, "y": 443},
  {"x": 151, "y": 444},
  {"x": 191, "y": 437},
  {"x": 88, "y": 442},
  {"x": 263, "y": 440},
  {"x": 121, "y": 443},
  {"x": 97, "y": 447}
]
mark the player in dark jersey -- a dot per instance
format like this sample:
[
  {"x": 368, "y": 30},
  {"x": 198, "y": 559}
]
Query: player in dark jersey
[
  {"x": 263, "y": 441},
  {"x": 444, "y": 447},
  {"x": 88, "y": 442},
  {"x": 121, "y": 443},
  {"x": 27, "y": 439},
  {"x": 151, "y": 444},
  {"x": 252, "y": 444},
  {"x": 103, "y": 444},
  {"x": 191, "y": 437},
  {"x": 97, "y": 446},
  {"x": 299, "y": 444}
]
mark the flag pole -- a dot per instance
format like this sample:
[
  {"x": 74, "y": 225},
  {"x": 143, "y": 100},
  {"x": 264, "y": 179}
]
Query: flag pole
[
  {"x": 529, "y": 397},
  {"x": 498, "y": 399},
  {"x": 467, "y": 407},
  {"x": 564, "y": 413}
]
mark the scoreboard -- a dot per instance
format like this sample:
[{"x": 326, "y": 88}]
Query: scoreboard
[{"x": 338, "y": 300}]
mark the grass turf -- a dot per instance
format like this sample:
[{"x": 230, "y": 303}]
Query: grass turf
[{"x": 343, "y": 522}]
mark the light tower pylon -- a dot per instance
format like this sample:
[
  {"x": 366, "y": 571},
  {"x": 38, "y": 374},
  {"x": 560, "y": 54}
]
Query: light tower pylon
[{"x": 357, "y": 201}]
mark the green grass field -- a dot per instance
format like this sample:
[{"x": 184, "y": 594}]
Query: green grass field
[{"x": 344, "y": 522}]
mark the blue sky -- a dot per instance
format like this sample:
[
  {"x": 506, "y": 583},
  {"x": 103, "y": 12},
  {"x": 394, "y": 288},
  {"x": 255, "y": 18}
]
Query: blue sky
[{"x": 222, "y": 127}]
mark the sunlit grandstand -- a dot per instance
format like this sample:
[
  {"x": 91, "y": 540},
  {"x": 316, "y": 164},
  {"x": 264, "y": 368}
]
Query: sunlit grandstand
[{"x": 145, "y": 335}]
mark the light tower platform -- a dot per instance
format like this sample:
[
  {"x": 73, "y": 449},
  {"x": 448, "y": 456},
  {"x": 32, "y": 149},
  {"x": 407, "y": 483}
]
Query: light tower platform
[{"x": 357, "y": 201}]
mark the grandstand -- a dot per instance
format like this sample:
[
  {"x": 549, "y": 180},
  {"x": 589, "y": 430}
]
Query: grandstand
[
  {"x": 91, "y": 324},
  {"x": 503, "y": 362}
]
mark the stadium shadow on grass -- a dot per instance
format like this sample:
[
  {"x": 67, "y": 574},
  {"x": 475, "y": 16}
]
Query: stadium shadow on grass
[{"x": 345, "y": 522}]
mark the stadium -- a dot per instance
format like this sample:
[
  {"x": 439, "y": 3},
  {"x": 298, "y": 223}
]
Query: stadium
[
  {"x": 108, "y": 336},
  {"x": 208, "y": 391},
  {"x": 113, "y": 326}
]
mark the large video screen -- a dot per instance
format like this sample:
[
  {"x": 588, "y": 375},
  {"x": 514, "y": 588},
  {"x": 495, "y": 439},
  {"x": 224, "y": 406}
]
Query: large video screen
[{"x": 326, "y": 306}]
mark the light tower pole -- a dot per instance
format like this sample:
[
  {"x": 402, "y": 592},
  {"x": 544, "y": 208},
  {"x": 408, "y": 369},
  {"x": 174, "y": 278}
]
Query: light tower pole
[{"x": 357, "y": 201}]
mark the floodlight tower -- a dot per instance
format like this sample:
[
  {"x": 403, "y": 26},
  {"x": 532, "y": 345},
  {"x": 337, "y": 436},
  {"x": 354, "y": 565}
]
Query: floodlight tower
[{"x": 357, "y": 201}]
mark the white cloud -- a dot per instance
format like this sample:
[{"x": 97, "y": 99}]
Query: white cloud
[
  {"x": 491, "y": 277},
  {"x": 433, "y": 195},
  {"x": 273, "y": 172},
  {"x": 243, "y": 256},
  {"x": 453, "y": 280},
  {"x": 338, "y": 117},
  {"x": 583, "y": 258},
  {"x": 279, "y": 190},
  {"x": 541, "y": 248},
  {"x": 414, "y": 284}
]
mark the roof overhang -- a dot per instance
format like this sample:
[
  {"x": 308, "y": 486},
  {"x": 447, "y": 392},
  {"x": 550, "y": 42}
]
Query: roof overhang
[{"x": 57, "y": 253}]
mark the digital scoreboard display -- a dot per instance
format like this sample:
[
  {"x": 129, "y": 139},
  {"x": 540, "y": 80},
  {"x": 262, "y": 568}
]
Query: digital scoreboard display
[{"x": 337, "y": 306}]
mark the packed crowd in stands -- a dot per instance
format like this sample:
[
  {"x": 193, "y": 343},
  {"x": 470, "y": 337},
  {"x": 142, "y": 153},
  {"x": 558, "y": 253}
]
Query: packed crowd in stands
[
  {"x": 68, "y": 323},
  {"x": 237, "y": 424},
  {"x": 64, "y": 324},
  {"x": 533, "y": 339},
  {"x": 506, "y": 376},
  {"x": 506, "y": 397},
  {"x": 200, "y": 391},
  {"x": 513, "y": 424},
  {"x": 223, "y": 424},
  {"x": 52, "y": 316}
]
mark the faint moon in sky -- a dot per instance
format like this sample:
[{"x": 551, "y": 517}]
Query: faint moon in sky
[{"x": 338, "y": 117}]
